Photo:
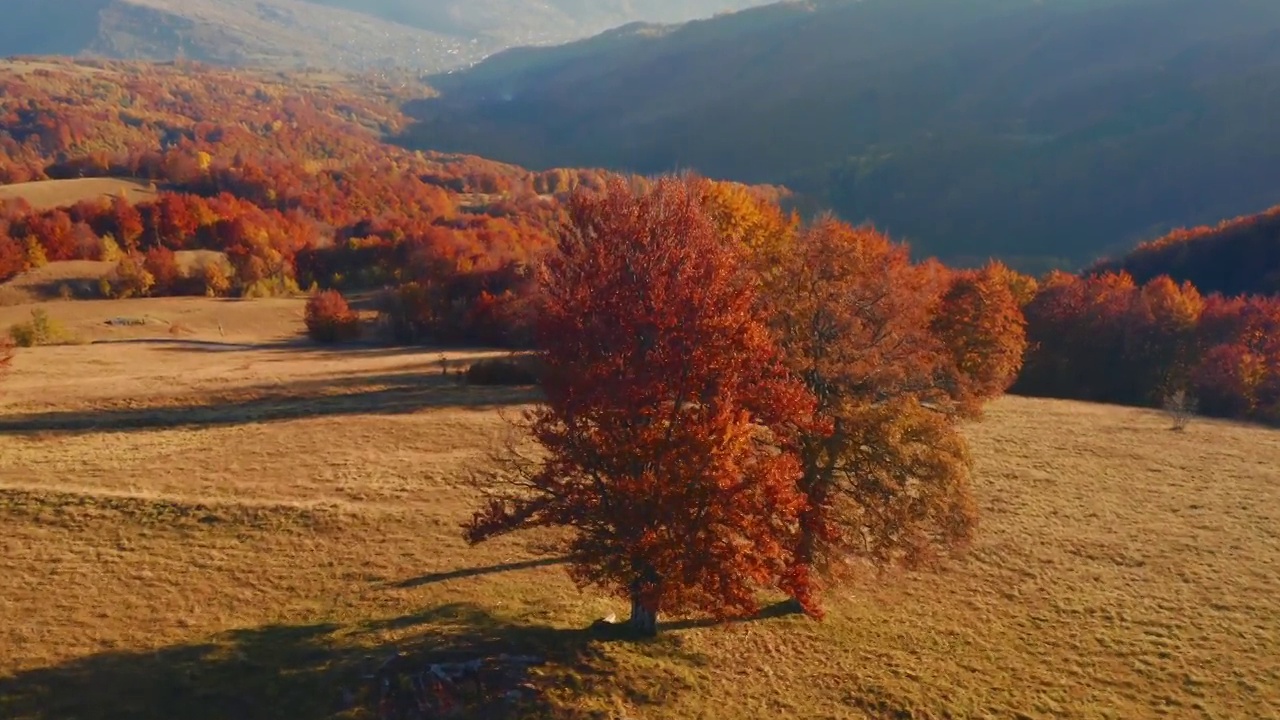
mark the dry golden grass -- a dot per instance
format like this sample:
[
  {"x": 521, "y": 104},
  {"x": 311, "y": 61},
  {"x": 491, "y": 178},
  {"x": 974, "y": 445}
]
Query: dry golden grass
[
  {"x": 45, "y": 194},
  {"x": 68, "y": 279},
  {"x": 26, "y": 67},
  {"x": 238, "y": 525}
]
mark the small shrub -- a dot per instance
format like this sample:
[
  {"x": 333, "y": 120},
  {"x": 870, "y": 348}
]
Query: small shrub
[
  {"x": 39, "y": 330},
  {"x": 214, "y": 279},
  {"x": 129, "y": 279},
  {"x": 1181, "y": 408},
  {"x": 162, "y": 264},
  {"x": 513, "y": 370},
  {"x": 329, "y": 319},
  {"x": 276, "y": 286}
]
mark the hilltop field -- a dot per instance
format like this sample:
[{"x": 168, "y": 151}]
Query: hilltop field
[
  {"x": 49, "y": 194},
  {"x": 206, "y": 517}
]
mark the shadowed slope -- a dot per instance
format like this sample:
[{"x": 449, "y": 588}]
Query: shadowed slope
[{"x": 1039, "y": 131}]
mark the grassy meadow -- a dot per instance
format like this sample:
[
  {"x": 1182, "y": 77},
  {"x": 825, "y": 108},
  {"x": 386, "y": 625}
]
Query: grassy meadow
[
  {"x": 205, "y": 517},
  {"x": 48, "y": 194}
]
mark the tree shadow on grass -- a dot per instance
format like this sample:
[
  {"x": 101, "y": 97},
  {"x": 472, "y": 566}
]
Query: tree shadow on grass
[
  {"x": 397, "y": 394},
  {"x": 780, "y": 609},
  {"x": 432, "y": 578},
  {"x": 312, "y": 672},
  {"x": 294, "y": 346}
]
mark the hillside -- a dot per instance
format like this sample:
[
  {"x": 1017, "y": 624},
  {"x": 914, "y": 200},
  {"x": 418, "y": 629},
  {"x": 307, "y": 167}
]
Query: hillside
[
  {"x": 430, "y": 35},
  {"x": 1234, "y": 257},
  {"x": 236, "y": 525},
  {"x": 48, "y": 194},
  {"x": 242, "y": 32},
  {"x": 1043, "y": 132}
]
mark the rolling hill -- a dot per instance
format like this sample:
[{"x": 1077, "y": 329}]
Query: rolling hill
[
  {"x": 1235, "y": 257},
  {"x": 1047, "y": 133},
  {"x": 422, "y": 34}
]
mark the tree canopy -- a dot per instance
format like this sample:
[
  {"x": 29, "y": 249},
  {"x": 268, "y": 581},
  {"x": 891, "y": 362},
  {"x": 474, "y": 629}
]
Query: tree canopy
[{"x": 666, "y": 406}]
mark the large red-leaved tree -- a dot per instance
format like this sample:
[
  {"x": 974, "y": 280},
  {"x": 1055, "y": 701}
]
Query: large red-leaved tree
[{"x": 668, "y": 416}]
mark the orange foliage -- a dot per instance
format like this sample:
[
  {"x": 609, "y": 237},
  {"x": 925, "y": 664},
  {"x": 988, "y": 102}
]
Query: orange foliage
[
  {"x": 663, "y": 395},
  {"x": 979, "y": 321},
  {"x": 283, "y": 180},
  {"x": 889, "y": 483},
  {"x": 329, "y": 319}
]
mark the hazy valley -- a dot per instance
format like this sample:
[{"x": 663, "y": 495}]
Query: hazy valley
[
  {"x": 1046, "y": 133},
  {"x": 431, "y": 35}
]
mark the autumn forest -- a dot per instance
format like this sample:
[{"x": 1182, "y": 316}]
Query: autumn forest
[
  {"x": 301, "y": 191},
  {"x": 807, "y": 380}
]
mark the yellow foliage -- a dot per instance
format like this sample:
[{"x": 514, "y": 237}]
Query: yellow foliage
[
  {"x": 748, "y": 219},
  {"x": 1023, "y": 287},
  {"x": 111, "y": 251},
  {"x": 35, "y": 254},
  {"x": 129, "y": 279}
]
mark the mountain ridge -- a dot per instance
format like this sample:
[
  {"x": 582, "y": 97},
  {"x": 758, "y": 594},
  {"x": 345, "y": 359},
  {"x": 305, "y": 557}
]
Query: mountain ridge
[
  {"x": 430, "y": 35},
  {"x": 993, "y": 127}
]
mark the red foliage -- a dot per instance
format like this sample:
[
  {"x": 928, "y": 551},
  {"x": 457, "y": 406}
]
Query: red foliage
[
  {"x": 1160, "y": 337},
  {"x": 163, "y": 266},
  {"x": 270, "y": 175},
  {"x": 1076, "y": 332},
  {"x": 1239, "y": 374},
  {"x": 126, "y": 224},
  {"x": 13, "y": 258},
  {"x": 329, "y": 319},
  {"x": 663, "y": 392},
  {"x": 173, "y": 223},
  {"x": 1227, "y": 381},
  {"x": 1103, "y": 338},
  {"x": 54, "y": 231}
]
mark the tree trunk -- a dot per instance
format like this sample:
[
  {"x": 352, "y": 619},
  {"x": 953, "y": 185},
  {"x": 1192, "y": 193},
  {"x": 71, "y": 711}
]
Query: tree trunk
[
  {"x": 644, "y": 620},
  {"x": 644, "y": 606}
]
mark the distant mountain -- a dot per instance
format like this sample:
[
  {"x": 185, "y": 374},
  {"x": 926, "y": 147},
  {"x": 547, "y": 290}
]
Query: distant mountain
[
  {"x": 526, "y": 22},
  {"x": 1044, "y": 131},
  {"x": 435, "y": 35}
]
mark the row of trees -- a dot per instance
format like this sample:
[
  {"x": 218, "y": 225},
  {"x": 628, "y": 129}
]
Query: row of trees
[
  {"x": 1105, "y": 338},
  {"x": 735, "y": 402}
]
